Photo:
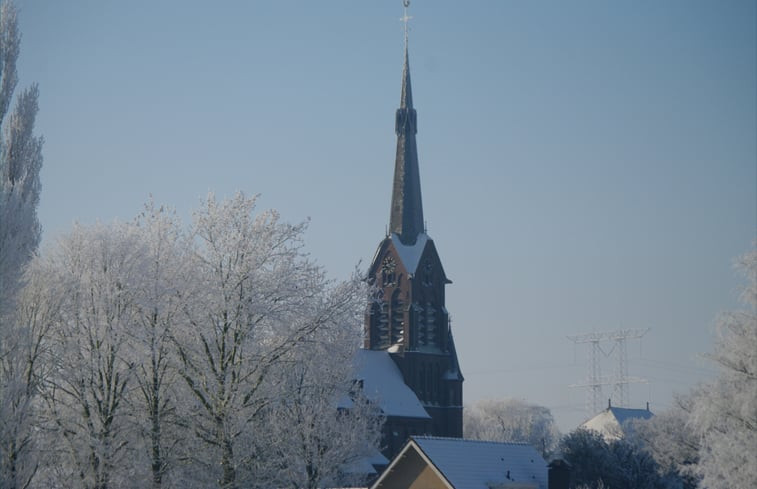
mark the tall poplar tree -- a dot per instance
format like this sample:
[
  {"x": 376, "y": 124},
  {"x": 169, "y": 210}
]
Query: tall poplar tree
[{"x": 20, "y": 163}]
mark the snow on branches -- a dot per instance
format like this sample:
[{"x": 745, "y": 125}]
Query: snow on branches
[
  {"x": 20, "y": 163},
  {"x": 724, "y": 412},
  {"x": 216, "y": 355},
  {"x": 708, "y": 438}
]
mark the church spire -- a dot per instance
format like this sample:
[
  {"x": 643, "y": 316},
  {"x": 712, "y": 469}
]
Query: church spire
[{"x": 406, "y": 218}]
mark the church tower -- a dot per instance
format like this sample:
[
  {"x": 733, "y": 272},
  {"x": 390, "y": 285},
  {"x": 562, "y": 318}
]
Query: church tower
[{"x": 407, "y": 318}]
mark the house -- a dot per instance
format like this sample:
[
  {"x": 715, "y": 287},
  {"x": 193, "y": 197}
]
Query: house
[
  {"x": 427, "y": 462},
  {"x": 613, "y": 422}
]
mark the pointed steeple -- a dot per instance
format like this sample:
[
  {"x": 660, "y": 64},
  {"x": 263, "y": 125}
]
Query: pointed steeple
[
  {"x": 406, "y": 99},
  {"x": 406, "y": 320},
  {"x": 406, "y": 218}
]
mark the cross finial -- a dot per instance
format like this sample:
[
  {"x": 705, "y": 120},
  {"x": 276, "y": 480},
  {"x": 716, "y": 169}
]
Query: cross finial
[{"x": 405, "y": 18}]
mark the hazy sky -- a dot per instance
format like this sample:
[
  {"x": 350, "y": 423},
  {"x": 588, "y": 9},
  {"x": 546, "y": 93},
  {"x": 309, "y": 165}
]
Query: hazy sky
[{"x": 586, "y": 166}]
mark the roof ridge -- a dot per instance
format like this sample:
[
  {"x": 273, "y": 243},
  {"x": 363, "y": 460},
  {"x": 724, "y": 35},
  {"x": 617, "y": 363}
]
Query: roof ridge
[
  {"x": 469, "y": 440},
  {"x": 617, "y": 408}
]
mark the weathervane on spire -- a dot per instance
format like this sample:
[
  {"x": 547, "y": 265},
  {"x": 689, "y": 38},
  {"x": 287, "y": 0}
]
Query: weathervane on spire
[{"x": 405, "y": 18}]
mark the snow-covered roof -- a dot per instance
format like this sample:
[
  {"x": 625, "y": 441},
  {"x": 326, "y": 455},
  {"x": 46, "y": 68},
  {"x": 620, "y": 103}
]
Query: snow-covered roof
[
  {"x": 626, "y": 414},
  {"x": 367, "y": 465},
  {"x": 384, "y": 385},
  {"x": 410, "y": 254},
  {"x": 611, "y": 423},
  {"x": 473, "y": 464},
  {"x": 378, "y": 458},
  {"x": 359, "y": 467}
]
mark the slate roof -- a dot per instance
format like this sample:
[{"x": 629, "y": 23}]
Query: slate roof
[
  {"x": 473, "y": 464},
  {"x": 383, "y": 383},
  {"x": 367, "y": 465},
  {"x": 625, "y": 414},
  {"x": 611, "y": 423},
  {"x": 406, "y": 216}
]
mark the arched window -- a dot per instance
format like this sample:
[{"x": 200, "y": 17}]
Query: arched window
[
  {"x": 398, "y": 318},
  {"x": 383, "y": 326},
  {"x": 374, "y": 322},
  {"x": 420, "y": 325},
  {"x": 430, "y": 324}
]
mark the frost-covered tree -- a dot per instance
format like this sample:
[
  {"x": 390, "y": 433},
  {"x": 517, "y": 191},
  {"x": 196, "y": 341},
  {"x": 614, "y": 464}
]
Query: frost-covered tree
[
  {"x": 258, "y": 297},
  {"x": 86, "y": 393},
  {"x": 160, "y": 296},
  {"x": 322, "y": 427},
  {"x": 596, "y": 463},
  {"x": 635, "y": 468},
  {"x": 724, "y": 412},
  {"x": 24, "y": 368},
  {"x": 164, "y": 357},
  {"x": 707, "y": 439},
  {"x": 511, "y": 420},
  {"x": 20, "y": 163},
  {"x": 97, "y": 312},
  {"x": 671, "y": 441}
]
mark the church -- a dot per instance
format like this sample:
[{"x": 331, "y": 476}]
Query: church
[{"x": 408, "y": 363}]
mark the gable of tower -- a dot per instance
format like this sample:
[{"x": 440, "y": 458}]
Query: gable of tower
[
  {"x": 388, "y": 265},
  {"x": 407, "y": 312},
  {"x": 411, "y": 257}
]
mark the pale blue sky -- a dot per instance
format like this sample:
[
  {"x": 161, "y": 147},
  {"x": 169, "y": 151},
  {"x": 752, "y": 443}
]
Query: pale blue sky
[{"x": 585, "y": 165}]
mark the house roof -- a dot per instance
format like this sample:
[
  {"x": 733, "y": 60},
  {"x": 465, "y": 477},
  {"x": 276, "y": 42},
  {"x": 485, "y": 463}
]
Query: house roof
[
  {"x": 611, "y": 423},
  {"x": 383, "y": 384},
  {"x": 473, "y": 464},
  {"x": 625, "y": 414},
  {"x": 367, "y": 465}
]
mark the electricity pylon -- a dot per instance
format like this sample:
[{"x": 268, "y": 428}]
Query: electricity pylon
[{"x": 594, "y": 380}]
